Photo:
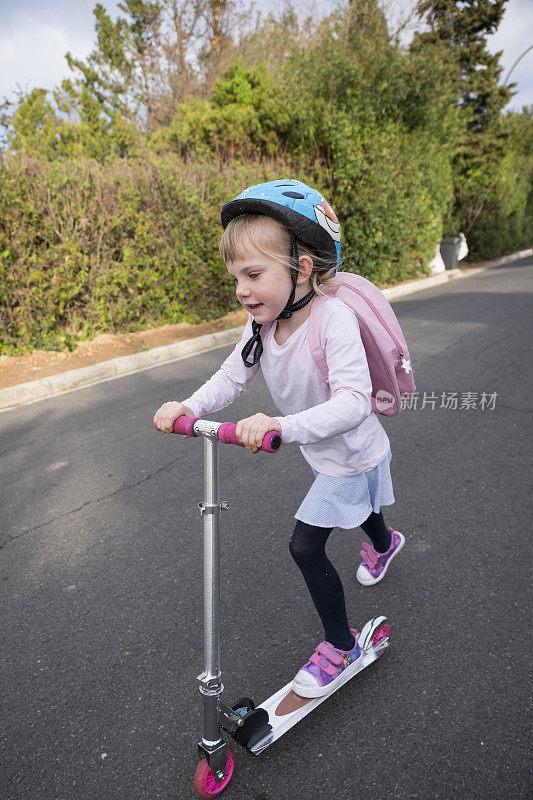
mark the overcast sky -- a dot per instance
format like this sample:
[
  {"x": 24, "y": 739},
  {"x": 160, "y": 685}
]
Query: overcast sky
[{"x": 36, "y": 34}]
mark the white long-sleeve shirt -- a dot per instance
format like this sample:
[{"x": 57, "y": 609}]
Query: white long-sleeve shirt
[{"x": 337, "y": 432}]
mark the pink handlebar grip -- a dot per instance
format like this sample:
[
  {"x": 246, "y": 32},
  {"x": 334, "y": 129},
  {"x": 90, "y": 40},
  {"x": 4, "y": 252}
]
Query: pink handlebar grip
[
  {"x": 184, "y": 425},
  {"x": 271, "y": 440},
  {"x": 226, "y": 433}
]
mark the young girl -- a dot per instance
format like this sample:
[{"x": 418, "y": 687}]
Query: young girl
[{"x": 281, "y": 245}]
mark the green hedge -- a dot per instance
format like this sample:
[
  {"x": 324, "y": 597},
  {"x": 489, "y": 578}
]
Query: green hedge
[
  {"x": 121, "y": 244},
  {"x": 87, "y": 248},
  {"x": 381, "y": 154},
  {"x": 505, "y": 219}
]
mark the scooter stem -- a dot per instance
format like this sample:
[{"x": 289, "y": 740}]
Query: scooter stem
[{"x": 210, "y": 680}]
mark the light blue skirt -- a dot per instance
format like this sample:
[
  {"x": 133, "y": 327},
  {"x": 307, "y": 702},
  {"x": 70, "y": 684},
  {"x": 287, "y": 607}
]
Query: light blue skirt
[{"x": 347, "y": 502}]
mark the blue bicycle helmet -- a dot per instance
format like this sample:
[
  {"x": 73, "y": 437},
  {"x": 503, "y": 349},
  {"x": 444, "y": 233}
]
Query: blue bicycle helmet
[
  {"x": 307, "y": 215},
  {"x": 302, "y": 210}
]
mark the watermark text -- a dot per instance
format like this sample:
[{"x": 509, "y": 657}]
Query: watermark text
[{"x": 450, "y": 401}]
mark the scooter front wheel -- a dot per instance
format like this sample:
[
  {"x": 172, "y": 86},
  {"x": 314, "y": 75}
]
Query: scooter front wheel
[
  {"x": 383, "y": 632},
  {"x": 205, "y": 782}
]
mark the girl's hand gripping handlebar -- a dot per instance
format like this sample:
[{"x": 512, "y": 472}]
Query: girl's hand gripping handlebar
[{"x": 225, "y": 432}]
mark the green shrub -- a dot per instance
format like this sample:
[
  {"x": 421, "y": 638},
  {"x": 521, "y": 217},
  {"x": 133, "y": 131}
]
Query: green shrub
[
  {"x": 382, "y": 158},
  {"x": 503, "y": 218},
  {"x": 87, "y": 248}
]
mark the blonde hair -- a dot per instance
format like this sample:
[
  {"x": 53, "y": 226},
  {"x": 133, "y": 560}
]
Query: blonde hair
[{"x": 273, "y": 239}]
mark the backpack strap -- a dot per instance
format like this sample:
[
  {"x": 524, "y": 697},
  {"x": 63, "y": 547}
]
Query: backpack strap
[{"x": 313, "y": 333}]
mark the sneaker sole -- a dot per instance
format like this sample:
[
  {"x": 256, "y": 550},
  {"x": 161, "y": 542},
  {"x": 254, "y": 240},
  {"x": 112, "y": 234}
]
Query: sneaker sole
[
  {"x": 371, "y": 581},
  {"x": 319, "y": 691}
]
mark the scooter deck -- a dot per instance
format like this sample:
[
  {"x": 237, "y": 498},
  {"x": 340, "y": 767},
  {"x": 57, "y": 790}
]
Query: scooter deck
[{"x": 285, "y": 708}]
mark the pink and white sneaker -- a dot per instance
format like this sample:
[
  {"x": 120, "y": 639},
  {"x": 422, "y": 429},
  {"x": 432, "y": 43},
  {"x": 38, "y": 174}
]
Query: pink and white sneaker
[
  {"x": 324, "y": 668},
  {"x": 374, "y": 565}
]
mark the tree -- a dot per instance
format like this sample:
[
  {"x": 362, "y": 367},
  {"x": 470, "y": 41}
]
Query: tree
[
  {"x": 154, "y": 55},
  {"x": 246, "y": 117},
  {"x": 459, "y": 30},
  {"x": 33, "y": 125},
  {"x": 119, "y": 73}
]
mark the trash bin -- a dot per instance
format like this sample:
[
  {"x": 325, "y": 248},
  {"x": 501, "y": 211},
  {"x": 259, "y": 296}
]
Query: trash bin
[{"x": 449, "y": 250}]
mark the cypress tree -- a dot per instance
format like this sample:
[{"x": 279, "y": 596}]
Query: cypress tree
[{"x": 460, "y": 30}]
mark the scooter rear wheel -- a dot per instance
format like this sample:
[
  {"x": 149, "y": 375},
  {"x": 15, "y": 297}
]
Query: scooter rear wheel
[{"x": 205, "y": 782}]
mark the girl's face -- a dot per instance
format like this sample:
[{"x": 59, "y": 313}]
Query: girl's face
[{"x": 262, "y": 285}]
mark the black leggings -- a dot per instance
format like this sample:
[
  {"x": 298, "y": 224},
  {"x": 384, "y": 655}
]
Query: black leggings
[{"x": 308, "y": 548}]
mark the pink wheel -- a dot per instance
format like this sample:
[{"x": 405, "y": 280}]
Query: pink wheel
[
  {"x": 204, "y": 781},
  {"x": 383, "y": 632}
]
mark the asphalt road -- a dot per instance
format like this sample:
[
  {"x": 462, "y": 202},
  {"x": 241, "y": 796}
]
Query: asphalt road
[{"x": 100, "y": 567}]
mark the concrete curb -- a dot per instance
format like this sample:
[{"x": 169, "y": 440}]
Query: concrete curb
[
  {"x": 507, "y": 259},
  {"x": 43, "y": 388}
]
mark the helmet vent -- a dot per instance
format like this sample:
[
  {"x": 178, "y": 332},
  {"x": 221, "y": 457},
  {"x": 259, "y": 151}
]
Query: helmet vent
[{"x": 296, "y": 195}]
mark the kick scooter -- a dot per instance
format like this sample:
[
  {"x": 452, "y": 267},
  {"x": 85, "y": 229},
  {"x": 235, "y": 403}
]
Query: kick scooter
[{"x": 255, "y": 728}]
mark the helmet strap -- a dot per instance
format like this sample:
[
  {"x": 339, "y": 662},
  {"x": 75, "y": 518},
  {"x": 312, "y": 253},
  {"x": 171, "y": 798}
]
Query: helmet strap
[
  {"x": 287, "y": 312},
  {"x": 255, "y": 340},
  {"x": 291, "y": 306}
]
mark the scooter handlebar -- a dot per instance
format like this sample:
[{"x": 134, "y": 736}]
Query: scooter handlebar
[{"x": 226, "y": 433}]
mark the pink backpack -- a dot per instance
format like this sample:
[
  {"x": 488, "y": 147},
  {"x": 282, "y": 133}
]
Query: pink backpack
[{"x": 385, "y": 346}]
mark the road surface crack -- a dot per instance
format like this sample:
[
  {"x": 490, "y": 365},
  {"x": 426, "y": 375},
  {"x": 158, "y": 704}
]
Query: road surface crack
[{"x": 87, "y": 503}]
